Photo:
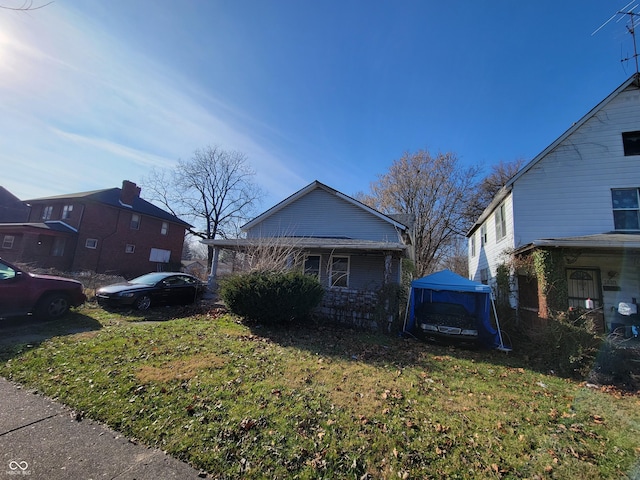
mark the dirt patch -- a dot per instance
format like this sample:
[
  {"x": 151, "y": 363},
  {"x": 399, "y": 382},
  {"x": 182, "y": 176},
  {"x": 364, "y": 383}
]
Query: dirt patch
[{"x": 179, "y": 369}]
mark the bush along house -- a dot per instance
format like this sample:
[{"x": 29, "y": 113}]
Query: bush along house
[
  {"x": 564, "y": 232},
  {"x": 111, "y": 231},
  {"x": 355, "y": 252}
]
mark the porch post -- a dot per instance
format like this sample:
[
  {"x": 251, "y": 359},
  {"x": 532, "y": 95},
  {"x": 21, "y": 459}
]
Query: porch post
[{"x": 213, "y": 286}]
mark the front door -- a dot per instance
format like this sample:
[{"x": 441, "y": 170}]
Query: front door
[{"x": 583, "y": 283}]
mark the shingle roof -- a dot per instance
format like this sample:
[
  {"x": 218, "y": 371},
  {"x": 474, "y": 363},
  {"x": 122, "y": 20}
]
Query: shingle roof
[
  {"x": 319, "y": 243},
  {"x": 111, "y": 196}
]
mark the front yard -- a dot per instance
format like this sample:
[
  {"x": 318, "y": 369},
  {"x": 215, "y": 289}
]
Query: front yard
[{"x": 241, "y": 402}]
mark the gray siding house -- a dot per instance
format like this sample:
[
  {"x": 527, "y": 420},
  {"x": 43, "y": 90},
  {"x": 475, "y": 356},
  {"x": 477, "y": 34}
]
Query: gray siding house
[{"x": 354, "y": 250}]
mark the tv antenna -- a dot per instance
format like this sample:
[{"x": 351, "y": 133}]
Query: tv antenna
[{"x": 626, "y": 12}]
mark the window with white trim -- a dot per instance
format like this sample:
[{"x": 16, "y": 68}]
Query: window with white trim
[
  {"x": 164, "y": 229},
  {"x": 312, "y": 265},
  {"x": 135, "y": 221},
  {"x": 66, "y": 211},
  {"x": 483, "y": 235},
  {"x": 501, "y": 223},
  {"x": 7, "y": 241},
  {"x": 473, "y": 245},
  {"x": 626, "y": 208},
  {"x": 47, "y": 212},
  {"x": 129, "y": 248},
  {"x": 91, "y": 243},
  {"x": 339, "y": 271}
]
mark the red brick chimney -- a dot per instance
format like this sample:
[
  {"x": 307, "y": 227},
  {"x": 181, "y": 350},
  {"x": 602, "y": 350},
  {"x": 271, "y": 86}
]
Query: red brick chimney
[{"x": 130, "y": 191}]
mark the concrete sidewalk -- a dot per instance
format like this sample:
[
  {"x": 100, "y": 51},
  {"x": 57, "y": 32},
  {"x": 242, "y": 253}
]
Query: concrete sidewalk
[{"x": 42, "y": 439}]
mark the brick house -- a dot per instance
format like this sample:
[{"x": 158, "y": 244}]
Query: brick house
[{"x": 105, "y": 231}]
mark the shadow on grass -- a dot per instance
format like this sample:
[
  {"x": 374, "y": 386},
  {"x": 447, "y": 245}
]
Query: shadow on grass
[
  {"x": 19, "y": 333},
  {"x": 379, "y": 349},
  {"x": 574, "y": 358},
  {"x": 161, "y": 313}
]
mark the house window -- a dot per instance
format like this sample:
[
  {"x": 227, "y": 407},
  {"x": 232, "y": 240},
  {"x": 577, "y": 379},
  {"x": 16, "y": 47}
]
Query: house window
[
  {"x": 57, "y": 249},
  {"x": 129, "y": 248},
  {"x": 7, "y": 241},
  {"x": 66, "y": 211},
  {"x": 135, "y": 221},
  {"x": 483, "y": 235},
  {"x": 91, "y": 243},
  {"x": 501, "y": 223},
  {"x": 625, "y": 208},
  {"x": 484, "y": 276},
  {"x": 473, "y": 245},
  {"x": 46, "y": 212},
  {"x": 631, "y": 143},
  {"x": 164, "y": 229},
  {"x": 339, "y": 274},
  {"x": 312, "y": 265},
  {"x": 581, "y": 285}
]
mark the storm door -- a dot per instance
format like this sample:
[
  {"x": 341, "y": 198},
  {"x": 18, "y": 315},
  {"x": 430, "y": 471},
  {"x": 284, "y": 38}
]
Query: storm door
[{"x": 583, "y": 283}]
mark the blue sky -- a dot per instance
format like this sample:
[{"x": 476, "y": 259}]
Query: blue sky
[{"x": 95, "y": 92}]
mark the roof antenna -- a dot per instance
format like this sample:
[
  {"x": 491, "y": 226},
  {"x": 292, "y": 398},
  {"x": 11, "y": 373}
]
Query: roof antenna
[{"x": 627, "y": 10}]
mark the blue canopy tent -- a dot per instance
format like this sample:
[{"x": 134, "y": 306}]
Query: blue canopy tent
[{"x": 446, "y": 288}]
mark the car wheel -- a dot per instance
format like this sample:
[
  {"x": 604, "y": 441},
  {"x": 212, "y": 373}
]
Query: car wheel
[
  {"x": 143, "y": 302},
  {"x": 53, "y": 306}
]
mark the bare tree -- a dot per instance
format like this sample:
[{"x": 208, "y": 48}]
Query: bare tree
[
  {"x": 433, "y": 190},
  {"x": 214, "y": 190},
  {"x": 490, "y": 185}
]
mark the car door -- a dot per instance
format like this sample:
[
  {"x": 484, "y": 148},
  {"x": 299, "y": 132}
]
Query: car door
[
  {"x": 183, "y": 291},
  {"x": 14, "y": 296}
]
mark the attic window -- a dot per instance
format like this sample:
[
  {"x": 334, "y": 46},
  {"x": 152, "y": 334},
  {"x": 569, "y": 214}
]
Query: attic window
[
  {"x": 631, "y": 143},
  {"x": 66, "y": 211},
  {"x": 46, "y": 212}
]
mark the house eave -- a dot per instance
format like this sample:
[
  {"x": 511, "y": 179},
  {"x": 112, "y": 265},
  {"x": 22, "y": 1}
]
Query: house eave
[
  {"x": 608, "y": 241},
  {"x": 306, "y": 243}
]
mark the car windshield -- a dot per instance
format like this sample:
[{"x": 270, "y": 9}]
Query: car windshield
[{"x": 148, "y": 279}]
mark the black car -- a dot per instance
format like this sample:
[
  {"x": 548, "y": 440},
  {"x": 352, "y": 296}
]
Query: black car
[{"x": 160, "y": 288}]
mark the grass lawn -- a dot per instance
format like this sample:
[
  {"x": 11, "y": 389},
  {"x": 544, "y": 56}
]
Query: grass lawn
[{"x": 241, "y": 402}]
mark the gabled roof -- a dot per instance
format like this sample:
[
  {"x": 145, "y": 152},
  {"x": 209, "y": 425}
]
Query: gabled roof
[
  {"x": 504, "y": 191},
  {"x": 313, "y": 186},
  {"x": 111, "y": 197}
]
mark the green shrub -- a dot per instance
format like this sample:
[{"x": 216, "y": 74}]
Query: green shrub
[{"x": 271, "y": 298}]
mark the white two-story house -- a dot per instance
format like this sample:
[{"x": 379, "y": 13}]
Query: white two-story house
[{"x": 575, "y": 209}]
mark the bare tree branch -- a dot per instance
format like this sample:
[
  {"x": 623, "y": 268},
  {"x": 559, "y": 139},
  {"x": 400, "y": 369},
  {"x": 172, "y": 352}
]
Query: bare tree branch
[
  {"x": 214, "y": 189},
  {"x": 433, "y": 190}
]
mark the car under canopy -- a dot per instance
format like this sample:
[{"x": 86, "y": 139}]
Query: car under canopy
[{"x": 446, "y": 287}]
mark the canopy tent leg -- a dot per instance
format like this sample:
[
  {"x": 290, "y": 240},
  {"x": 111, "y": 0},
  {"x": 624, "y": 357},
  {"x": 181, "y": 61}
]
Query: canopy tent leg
[{"x": 500, "y": 347}]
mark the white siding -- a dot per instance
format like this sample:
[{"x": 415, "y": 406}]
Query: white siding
[
  {"x": 568, "y": 192},
  {"x": 492, "y": 253},
  {"x": 322, "y": 214}
]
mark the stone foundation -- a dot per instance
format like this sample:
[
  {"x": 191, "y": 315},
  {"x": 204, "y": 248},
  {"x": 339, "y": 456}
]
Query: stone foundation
[{"x": 351, "y": 308}]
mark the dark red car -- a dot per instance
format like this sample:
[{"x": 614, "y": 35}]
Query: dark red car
[{"x": 44, "y": 296}]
